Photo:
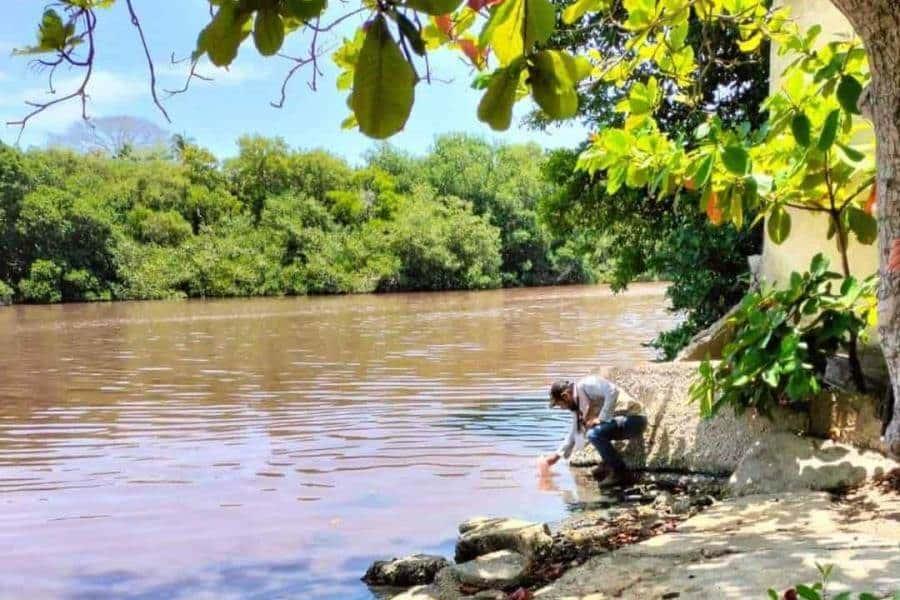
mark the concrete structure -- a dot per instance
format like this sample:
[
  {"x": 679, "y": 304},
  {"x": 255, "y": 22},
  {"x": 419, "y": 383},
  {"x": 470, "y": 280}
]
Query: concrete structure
[{"x": 808, "y": 231}]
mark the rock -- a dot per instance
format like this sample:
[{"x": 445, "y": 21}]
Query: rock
[
  {"x": 500, "y": 569},
  {"x": 789, "y": 463},
  {"x": 677, "y": 439},
  {"x": 488, "y": 595},
  {"x": 484, "y": 535},
  {"x": 420, "y": 592},
  {"x": 404, "y": 572},
  {"x": 682, "y": 506},
  {"x": 711, "y": 340},
  {"x": 847, "y": 417},
  {"x": 743, "y": 546},
  {"x": 663, "y": 501}
]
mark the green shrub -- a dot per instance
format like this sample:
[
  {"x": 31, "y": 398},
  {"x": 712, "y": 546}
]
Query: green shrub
[
  {"x": 165, "y": 228},
  {"x": 6, "y": 293},
  {"x": 783, "y": 339},
  {"x": 44, "y": 283}
]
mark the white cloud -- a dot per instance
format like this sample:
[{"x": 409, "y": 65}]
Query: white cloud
[{"x": 108, "y": 91}]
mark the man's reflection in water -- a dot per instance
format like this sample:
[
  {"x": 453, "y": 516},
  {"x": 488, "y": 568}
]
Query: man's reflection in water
[{"x": 585, "y": 485}]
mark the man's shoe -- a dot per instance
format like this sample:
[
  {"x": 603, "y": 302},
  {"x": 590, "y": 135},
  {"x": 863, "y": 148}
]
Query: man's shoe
[{"x": 614, "y": 479}]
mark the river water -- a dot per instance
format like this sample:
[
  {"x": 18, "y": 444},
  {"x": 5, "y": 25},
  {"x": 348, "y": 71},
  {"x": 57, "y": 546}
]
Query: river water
[{"x": 274, "y": 447}]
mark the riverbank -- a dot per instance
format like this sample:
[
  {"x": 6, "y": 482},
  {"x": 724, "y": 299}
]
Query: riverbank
[
  {"x": 790, "y": 500},
  {"x": 742, "y": 547}
]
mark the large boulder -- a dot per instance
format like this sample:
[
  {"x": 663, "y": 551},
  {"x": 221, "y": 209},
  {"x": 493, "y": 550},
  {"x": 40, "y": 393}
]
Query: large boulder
[
  {"x": 420, "y": 592},
  {"x": 847, "y": 417},
  {"x": 788, "y": 463},
  {"x": 677, "y": 438},
  {"x": 405, "y": 572},
  {"x": 500, "y": 569},
  {"x": 483, "y": 535}
]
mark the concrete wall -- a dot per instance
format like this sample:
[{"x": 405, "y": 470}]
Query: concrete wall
[{"x": 808, "y": 231}]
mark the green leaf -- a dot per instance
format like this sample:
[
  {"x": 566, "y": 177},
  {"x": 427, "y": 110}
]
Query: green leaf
[
  {"x": 829, "y": 131},
  {"x": 863, "y": 225},
  {"x": 553, "y": 75},
  {"x": 516, "y": 25},
  {"x": 575, "y": 11},
  {"x": 223, "y": 36},
  {"x": 704, "y": 170},
  {"x": 852, "y": 153},
  {"x": 383, "y": 84},
  {"x": 800, "y": 127},
  {"x": 496, "y": 105},
  {"x": 779, "y": 225},
  {"x": 51, "y": 31},
  {"x": 303, "y": 9},
  {"x": 434, "y": 7},
  {"x": 736, "y": 160},
  {"x": 848, "y": 92},
  {"x": 268, "y": 31}
]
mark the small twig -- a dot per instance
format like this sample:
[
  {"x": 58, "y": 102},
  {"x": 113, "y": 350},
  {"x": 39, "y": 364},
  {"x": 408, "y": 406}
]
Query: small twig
[
  {"x": 137, "y": 23},
  {"x": 90, "y": 20},
  {"x": 192, "y": 74}
]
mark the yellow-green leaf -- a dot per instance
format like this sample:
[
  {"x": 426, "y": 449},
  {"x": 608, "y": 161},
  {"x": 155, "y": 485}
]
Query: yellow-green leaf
[
  {"x": 383, "y": 84},
  {"x": 575, "y": 11},
  {"x": 496, "y": 105},
  {"x": 268, "y": 31},
  {"x": 517, "y": 25},
  {"x": 779, "y": 225},
  {"x": 553, "y": 75}
]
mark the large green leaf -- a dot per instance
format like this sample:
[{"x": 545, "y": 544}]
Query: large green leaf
[
  {"x": 496, "y": 105},
  {"x": 383, "y": 84},
  {"x": 736, "y": 160},
  {"x": 829, "y": 130},
  {"x": 268, "y": 31},
  {"x": 223, "y": 36},
  {"x": 800, "y": 127},
  {"x": 553, "y": 75},
  {"x": 516, "y": 25},
  {"x": 779, "y": 225},
  {"x": 434, "y": 7},
  {"x": 848, "y": 92}
]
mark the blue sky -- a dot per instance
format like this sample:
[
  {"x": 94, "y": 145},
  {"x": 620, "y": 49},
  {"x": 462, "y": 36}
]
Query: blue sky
[{"x": 237, "y": 102}]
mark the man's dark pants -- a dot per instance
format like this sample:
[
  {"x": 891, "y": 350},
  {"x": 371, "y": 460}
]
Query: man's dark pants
[{"x": 617, "y": 428}]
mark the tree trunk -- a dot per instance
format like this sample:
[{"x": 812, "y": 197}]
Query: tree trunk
[{"x": 878, "y": 24}]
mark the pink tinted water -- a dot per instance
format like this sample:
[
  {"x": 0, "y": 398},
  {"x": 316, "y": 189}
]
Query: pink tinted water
[{"x": 274, "y": 447}]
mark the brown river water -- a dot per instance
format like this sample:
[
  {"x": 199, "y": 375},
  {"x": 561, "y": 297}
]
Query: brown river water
[{"x": 274, "y": 447}]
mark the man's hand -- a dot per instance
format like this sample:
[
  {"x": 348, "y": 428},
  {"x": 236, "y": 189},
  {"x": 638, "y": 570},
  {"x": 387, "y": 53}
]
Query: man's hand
[{"x": 548, "y": 461}]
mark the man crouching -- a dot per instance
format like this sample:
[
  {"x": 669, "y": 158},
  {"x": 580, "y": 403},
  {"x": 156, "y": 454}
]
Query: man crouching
[{"x": 592, "y": 401}]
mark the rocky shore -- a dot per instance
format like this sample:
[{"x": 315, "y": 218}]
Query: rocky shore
[{"x": 725, "y": 508}]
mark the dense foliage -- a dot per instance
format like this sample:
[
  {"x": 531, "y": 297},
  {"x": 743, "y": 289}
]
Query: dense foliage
[
  {"x": 636, "y": 235},
  {"x": 275, "y": 221},
  {"x": 783, "y": 339}
]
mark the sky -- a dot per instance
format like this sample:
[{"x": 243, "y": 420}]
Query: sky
[{"x": 215, "y": 114}]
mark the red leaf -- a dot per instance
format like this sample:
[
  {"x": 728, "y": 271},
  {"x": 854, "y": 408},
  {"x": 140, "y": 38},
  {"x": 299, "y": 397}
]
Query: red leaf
[
  {"x": 871, "y": 202},
  {"x": 445, "y": 24},
  {"x": 713, "y": 210},
  {"x": 894, "y": 258}
]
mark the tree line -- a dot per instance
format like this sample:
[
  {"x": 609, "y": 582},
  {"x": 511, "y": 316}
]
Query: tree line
[{"x": 274, "y": 220}]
